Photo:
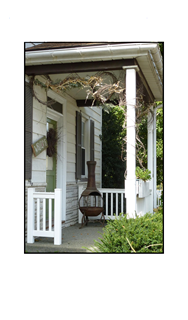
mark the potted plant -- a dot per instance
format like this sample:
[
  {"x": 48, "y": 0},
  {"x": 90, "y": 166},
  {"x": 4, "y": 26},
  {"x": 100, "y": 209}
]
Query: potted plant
[{"x": 143, "y": 176}]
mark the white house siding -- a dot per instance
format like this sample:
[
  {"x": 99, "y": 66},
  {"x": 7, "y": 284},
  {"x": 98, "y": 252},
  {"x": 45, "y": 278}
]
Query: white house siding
[
  {"x": 39, "y": 130},
  {"x": 38, "y": 180},
  {"x": 95, "y": 114},
  {"x": 71, "y": 204},
  {"x": 71, "y": 141}
]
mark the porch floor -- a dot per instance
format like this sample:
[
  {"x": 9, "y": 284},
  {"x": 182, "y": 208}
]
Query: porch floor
[{"x": 73, "y": 239}]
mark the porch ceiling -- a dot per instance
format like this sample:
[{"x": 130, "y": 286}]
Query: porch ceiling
[{"x": 81, "y": 93}]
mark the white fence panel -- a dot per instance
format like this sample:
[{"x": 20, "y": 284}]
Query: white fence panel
[
  {"x": 114, "y": 200},
  {"x": 159, "y": 193},
  {"x": 31, "y": 231}
]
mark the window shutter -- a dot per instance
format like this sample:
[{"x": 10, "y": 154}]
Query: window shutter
[
  {"x": 28, "y": 108},
  {"x": 78, "y": 145},
  {"x": 92, "y": 156}
]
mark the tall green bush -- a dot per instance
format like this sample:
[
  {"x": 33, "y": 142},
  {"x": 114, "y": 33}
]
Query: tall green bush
[{"x": 140, "y": 235}]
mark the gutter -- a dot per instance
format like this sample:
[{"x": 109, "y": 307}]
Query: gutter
[
  {"x": 107, "y": 52},
  {"x": 157, "y": 62}
]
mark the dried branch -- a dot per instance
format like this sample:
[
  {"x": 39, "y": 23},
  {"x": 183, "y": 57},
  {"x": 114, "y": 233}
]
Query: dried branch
[
  {"x": 130, "y": 244},
  {"x": 104, "y": 88},
  {"x": 152, "y": 245}
]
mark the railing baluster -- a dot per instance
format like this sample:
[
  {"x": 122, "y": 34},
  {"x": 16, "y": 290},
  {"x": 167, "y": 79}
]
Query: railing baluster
[
  {"x": 50, "y": 214},
  {"x": 38, "y": 214},
  {"x": 44, "y": 214},
  {"x": 116, "y": 203},
  {"x": 57, "y": 217},
  {"x": 112, "y": 204},
  {"x": 106, "y": 204},
  {"x": 121, "y": 202}
]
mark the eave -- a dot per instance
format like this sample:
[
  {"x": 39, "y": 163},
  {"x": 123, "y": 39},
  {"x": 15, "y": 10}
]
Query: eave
[{"x": 76, "y": 67}]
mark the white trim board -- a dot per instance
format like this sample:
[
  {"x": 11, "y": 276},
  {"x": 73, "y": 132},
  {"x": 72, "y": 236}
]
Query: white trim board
[{"x": 61, "y": 147}]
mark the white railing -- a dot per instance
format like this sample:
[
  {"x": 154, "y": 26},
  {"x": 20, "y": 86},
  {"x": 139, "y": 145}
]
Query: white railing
[
  {"x": 158, "y": 196},
  {"x": 114, "y": 200},
  {"x": 51, "y": 232}
]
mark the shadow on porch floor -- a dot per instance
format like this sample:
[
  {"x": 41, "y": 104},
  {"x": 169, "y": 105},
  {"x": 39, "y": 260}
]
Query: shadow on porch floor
[{"x": 73, "y": 239}]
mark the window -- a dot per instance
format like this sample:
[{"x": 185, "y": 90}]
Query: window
[
  {"x": 84, "y": 144},
  {"x": 56, "y": 106}
]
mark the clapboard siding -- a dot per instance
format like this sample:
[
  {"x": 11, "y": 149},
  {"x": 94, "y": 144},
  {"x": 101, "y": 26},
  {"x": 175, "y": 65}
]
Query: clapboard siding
[
  {"x": 39, "y": 130},
  {"x": 72, "y": 205},
  {"x": 39, "y": 115},
  {"x": 71, "y": 176},
  {"x": 97, "y": 155},
  {"x": 70, "y": 157},
  {"x": 97, "y": 147},
  {"x": 39, "y": 164},
  {"x": 97, "y": 132},
  {"x": 70, "y": 167},
  {"x": 98, "y": 178},
  {"x": 70, "y": 117},
  {"x": 71, "y": 139},
  {"x": 71, "y": 142},
  {"x": 39, "y": 176},
  {"x": 71, "y": 148},
  {"x": 71, "y": 128}
]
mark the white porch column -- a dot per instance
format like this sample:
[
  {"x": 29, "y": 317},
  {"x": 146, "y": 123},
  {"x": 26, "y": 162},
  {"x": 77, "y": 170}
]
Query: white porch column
[
  {"x": 154, "y": 162},
  {"x": 130, "y": 185},
  {"x": 64, "y": 189},
  {"x": 155, "y": 156},
  {"x": 150, "y": 165}
]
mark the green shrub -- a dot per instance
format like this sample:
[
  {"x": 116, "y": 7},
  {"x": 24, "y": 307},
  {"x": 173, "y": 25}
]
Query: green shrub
[
  {"x": 142, "y": 234},
  {"x": 143, "y": 174}
]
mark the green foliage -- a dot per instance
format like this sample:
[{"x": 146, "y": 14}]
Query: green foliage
[
  {"x": 113, "y": 167},
  {"x": 161, "y": 46},
  {"x": 143, "y": 234},
  {"x": 113, "y": 133},
  {"x": 142, "y": 128},
  {"x": 143, "y": 174},
  {"x": 159, "y": 145}
]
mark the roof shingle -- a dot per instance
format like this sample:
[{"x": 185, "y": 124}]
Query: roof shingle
[{"x": 61, "y": 45}]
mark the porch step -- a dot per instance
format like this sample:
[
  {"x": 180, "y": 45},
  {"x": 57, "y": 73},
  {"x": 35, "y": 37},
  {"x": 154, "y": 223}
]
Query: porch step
[{"x": 33, "y": 248}]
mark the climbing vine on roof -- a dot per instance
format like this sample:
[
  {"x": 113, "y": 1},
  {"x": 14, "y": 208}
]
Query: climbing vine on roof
[{"x": 96, "y": 88}]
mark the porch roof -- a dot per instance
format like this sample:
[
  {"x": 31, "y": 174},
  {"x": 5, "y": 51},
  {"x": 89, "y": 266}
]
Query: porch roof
[
  {"x": 62, "y": 58},
  {"x": 61, "y": 45}
]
